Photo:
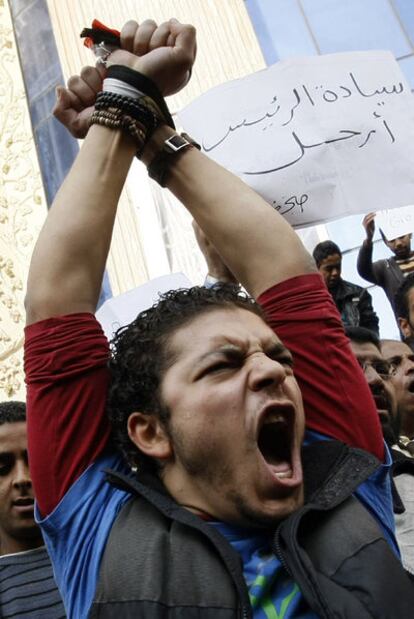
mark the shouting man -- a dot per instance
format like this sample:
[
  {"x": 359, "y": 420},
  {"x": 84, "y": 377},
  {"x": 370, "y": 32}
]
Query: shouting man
[{"x": 209, "y": 507}]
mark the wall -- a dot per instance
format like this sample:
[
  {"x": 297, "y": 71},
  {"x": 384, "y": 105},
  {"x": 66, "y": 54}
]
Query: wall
[
  {"x": 153, "y": 235},
  {"x": 22, "y": 208}
]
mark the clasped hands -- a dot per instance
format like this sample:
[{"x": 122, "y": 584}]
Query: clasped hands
[{"x": 164, "y": 53}]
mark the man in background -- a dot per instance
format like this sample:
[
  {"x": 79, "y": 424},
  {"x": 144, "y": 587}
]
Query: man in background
[
  {"x": 404, "y": 309},
  {"x": 27, "y": 587},
  {"x": 354, "y": 303},
  {"x": 400, "y": 355},
  {"x": 379, "y": 373},
  {"x": 388, "y": 273}
]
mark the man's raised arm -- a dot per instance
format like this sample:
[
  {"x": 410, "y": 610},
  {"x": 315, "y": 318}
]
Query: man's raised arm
[
  {"x": 69, "y": 258},
  {"x": 365, "y": 267},
  {"x": 257, "y": 243}
]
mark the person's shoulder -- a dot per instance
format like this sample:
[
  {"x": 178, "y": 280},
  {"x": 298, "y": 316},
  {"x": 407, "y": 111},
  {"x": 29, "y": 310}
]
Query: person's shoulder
[
  {"x": 295, "y": 286},
  {"x": 383, "y": 263},
  {"x": 81, "y": 320},
  {"x": 25, "y": 557},
  {"x": 351, "y": 289}
]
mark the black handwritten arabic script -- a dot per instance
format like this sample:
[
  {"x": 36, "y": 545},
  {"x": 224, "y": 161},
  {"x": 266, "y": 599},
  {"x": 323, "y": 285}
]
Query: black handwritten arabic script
[{"x": 313, "y": 96}]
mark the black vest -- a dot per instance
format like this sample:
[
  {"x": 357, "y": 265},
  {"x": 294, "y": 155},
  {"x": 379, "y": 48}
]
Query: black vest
[{"x": 161, "y": 561}]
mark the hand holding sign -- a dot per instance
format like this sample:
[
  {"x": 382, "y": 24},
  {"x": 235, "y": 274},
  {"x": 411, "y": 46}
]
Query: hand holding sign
[{"x": 369, "y": 225}]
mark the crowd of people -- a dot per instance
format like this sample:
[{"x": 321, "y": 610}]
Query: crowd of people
[{"x": 241, "y": 449}]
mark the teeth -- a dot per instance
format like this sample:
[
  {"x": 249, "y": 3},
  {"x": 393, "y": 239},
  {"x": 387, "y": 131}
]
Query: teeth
[
  {"x": 284, "y": 474},
  {"x": 274, "y": 418}
]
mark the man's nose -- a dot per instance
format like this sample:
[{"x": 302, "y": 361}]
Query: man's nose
[
  {"x": 372, "y": 376},
  {"x": 22, "y": 475},
  {"x": 265, "y": 372},
  {"x": 409, "y": 366}
]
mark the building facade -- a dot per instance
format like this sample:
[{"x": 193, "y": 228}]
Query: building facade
[{"x": 40, "y": 48}]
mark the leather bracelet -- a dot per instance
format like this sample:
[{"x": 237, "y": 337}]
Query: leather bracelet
[
  {"x": 145, "y": 85},
  {"x": 172, "y": 147}
]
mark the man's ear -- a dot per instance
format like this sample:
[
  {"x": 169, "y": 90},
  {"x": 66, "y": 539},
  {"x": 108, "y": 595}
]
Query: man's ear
[
  {"x": 405, "y": 327},
  {"x": 148, "y": 434}
]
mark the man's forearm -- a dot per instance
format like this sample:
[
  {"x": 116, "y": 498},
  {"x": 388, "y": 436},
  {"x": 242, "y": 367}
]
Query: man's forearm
[
  {"x": 364, "y": 261},
  {"x": 255, "y": 242},
  {"x": 70, "y": 254}
]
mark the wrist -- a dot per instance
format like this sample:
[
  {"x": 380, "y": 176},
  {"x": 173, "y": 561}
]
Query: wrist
[
  {"x": 132, "y": 102},
  {"x": 168, "y": 153},
  {"x": 155, "y": 143}
]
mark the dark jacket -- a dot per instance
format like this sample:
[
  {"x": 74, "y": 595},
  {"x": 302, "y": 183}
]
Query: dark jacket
[
  {"x": 163, "y": 561},
  {"x": 354, "y": 303},
  {"x": 402, "y": 465},
  {"x": 384, "y": 273}
]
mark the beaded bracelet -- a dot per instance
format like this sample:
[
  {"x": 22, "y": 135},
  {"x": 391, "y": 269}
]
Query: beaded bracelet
[
  {"x": 114, "y": 120},
  {"x": 143, "y": 109}
]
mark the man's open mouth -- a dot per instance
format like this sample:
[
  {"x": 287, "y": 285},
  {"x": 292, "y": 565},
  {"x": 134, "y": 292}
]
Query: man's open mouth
[
  {"x": 24, "y": 505},
  {"x": 276, "y": 440},
  {"x": 382, "y": 404}
]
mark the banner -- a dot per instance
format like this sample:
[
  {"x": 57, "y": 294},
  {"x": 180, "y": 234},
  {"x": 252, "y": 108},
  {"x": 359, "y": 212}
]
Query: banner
[
  {"x": 318, "y": 137},
  {"x": 395, "y": 223}
]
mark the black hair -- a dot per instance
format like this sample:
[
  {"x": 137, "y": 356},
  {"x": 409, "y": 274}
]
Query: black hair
[
  {"x": 323, "y": 250},
  {"x": 12, "y": 411},
  {"x": 401, "y": 297},
  {"x": 140, "y": 355},
  {"x": 362, "y": 335}
]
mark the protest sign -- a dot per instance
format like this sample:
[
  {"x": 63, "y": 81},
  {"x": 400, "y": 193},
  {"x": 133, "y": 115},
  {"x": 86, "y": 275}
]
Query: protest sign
[
  {"x": 319, "y": 137},
  {"x": 123, "y": 309},
  {"x": 396, "y": 222}
]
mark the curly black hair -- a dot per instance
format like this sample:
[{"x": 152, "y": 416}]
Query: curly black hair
[
  {"x": 401, "y": 297},
  {"x": 12, "y": 411},
  {"x": 140, "y": 356}
]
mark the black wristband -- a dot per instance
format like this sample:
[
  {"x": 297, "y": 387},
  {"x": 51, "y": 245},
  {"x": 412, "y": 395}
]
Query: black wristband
[
  {"x": 144, "y": 84},
  {"x": 172, "y": 147}
]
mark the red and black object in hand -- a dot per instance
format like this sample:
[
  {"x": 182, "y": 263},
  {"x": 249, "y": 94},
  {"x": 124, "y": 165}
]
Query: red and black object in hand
[{"x": 100, "y": 34}]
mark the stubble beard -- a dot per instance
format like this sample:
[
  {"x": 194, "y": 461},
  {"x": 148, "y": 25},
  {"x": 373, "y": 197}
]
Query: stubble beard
[{"x": 212, "y": 476}]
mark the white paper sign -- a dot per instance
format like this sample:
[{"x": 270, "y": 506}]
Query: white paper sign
[
  {"x": 123, "y": 309},
  {"x": 397, "y": 222},
  {"x": 319, "y": 137}
]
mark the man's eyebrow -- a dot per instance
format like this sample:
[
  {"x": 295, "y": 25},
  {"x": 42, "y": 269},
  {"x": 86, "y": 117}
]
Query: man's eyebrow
[
  {"x": 277, "y": 349},
  {"x": 229, "y": 350},
  {"x": 274, "y": 349},
  {"x": 396, "y": 359}
]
